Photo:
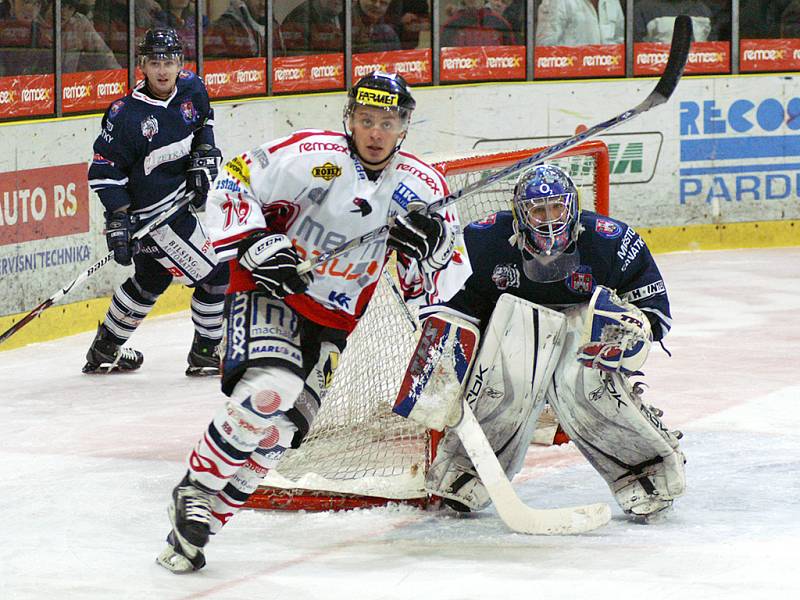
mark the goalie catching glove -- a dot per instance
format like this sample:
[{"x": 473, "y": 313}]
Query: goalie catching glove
[
  {"x": 426, "y": 238},
  {"x": 616, "y": 335},
  {"x": 273, "y": 260}
]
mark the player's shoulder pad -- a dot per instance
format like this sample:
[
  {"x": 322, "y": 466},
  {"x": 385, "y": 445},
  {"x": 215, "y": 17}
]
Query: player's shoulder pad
[
  {"x": 602, "y": 226},
  {"x": 117, "y": 108},
  {"x": 498, "y": 221},
  {"x": 420, "y": 170}
]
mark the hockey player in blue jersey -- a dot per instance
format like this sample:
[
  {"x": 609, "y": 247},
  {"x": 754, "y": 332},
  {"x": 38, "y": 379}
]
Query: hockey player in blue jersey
[
  {"x": 155, "y": 148},
  {"x": 567, "y": 303}
]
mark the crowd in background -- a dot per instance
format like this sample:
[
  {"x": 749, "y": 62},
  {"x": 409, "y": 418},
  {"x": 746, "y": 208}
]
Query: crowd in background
[{"x": 94, "y": 32}]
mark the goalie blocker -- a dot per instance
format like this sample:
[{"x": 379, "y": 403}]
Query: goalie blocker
[{"x": 529, "y": 355}]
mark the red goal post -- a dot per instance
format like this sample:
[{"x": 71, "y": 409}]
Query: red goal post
[{"x": 358, "y": 452}]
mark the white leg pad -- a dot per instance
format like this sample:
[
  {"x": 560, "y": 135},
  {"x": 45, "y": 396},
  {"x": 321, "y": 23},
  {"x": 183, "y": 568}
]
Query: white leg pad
[
  {"x": 622, "y": 438},
  {"x": 506, "y": 390}
]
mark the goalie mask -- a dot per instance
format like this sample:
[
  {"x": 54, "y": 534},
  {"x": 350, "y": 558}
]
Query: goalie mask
[
  {"x": 384, "y": 91},
  {"x": 546, "y": 223}
]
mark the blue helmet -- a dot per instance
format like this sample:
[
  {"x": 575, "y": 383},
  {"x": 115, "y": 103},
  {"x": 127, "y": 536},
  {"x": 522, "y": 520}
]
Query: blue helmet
[{"x": 546, "y": 222}]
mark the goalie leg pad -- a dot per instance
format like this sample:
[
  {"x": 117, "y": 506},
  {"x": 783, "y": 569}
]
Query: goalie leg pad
[
  {"x": 506, "y": 390},
  {"x": 620, "y": 436}
]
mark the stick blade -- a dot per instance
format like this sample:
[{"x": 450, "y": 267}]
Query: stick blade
[
  {"x": 558, "y": 521},
  {"x": 678, "y": 55}
]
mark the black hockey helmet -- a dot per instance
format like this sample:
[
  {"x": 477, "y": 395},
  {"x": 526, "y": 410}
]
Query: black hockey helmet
[
  {"x": 381, "y": 90},
  {"x": 161, "y": 43}
]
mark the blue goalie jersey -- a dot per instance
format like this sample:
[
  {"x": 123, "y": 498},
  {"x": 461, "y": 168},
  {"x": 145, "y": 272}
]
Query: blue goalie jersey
[
  {"x": 142, "y": 153},
  {"x": 611, "y": 254}
]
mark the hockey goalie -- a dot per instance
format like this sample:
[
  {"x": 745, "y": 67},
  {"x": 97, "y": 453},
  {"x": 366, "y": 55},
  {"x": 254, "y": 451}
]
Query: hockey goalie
[{"x": 561, "y": 309}]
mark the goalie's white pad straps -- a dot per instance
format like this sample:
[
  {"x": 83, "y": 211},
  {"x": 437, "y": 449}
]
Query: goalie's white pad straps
[
  {"x": 506, "y": 388},
  {"x": 431, "y": 389}
]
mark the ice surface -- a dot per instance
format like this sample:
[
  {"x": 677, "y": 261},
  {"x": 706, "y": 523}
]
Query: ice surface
[{"x": 87, "y": 464}]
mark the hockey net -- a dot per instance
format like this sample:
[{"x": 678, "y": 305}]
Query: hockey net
[{"x": 358, "y": 452}]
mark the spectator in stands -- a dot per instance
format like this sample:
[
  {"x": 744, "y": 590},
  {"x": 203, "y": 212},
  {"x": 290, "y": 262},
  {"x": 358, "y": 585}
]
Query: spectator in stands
[
  {"x": 314, "y": 26},
  {"x": 239, "y": 31},
  {"x": 19, "y": 37},
  {"x": 512, "y": 11},
  {"x": 653, "y": 20},
  {"x": 476, "y": 25},
  {"x": 181, "y": 16},
  {"x": 409, "y": 19},
  {"x": 790, "y": 20},
  {"x": 111, "y": 21},
  {"x": 759, "y": 19},
  {"x": 371, "y": 31},
  {"x": 83, "y": 48},
  {"x": 580, "y": 22}
]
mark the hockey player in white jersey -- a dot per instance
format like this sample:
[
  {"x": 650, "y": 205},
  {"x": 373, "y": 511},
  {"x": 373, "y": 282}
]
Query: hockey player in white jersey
[
  {"x": 567, "y": 303},
  {"x": 271, "y": 208}
]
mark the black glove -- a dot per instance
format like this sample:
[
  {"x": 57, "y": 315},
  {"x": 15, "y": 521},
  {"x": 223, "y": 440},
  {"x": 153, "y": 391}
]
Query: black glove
[
  {"x": 119, "y": 228},
  {"x": 416, "y": 234},
  {"x": 273, "y": 261},
  {"x": 203, "y": 168}
]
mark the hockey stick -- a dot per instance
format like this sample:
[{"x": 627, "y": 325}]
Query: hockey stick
[
  {"x": 517, "y": 515},
  {"x": 678, "y": 53},
  {"x": 151, "y": 226}
]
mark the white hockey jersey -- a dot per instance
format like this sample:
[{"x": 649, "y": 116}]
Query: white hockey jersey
[{"x": 309, "y": 187}]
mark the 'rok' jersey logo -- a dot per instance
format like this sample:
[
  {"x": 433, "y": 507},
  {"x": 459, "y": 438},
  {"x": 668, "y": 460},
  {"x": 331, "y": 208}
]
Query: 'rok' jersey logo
[{"x": 327, "y": 171}]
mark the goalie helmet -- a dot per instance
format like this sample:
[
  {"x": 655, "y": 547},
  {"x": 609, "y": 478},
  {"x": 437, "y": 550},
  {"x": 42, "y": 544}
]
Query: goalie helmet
[
  {"x": 163, "y": 44},
  {"x": 546, "y": 223}
]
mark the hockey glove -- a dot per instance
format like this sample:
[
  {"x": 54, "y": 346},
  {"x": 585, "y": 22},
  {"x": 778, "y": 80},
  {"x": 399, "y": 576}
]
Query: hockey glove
[
  {"x": 273, "y": 262},
  {"x": 423, "y": 237},
  {"x": 203, "y": 168},
  {"x": 616, "y": 335},
  {"x": 119, "y": 228}
]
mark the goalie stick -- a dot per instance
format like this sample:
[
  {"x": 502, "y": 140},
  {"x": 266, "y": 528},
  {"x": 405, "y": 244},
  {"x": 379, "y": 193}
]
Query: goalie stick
[
  {"x": 151, "y": 226},
  {"x": 678, "y": 54},
  {"x": 517, "y": 515}
]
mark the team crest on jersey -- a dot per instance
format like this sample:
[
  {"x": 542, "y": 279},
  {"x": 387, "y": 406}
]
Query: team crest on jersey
[
  {"x": 505, "y": 276},
  {"x": 581, "y": 281},
  {"x": 280, "y": 215},
  {"x": 363, "y": 206},
  {"x": 327, "y": 171},
  {"x": 403, "y": 195},
  {"x": 607, "y": 229},
  {"x": 149, "y": 128},
  {"x": 184, "y": 74},
  {"x": 115, "y": 108},
  {"x": 486, "y": 221},
  {"x": 188, "y": 112}
]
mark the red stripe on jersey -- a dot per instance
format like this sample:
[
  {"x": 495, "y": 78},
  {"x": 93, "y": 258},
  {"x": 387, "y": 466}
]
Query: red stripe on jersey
[
  {"x": 297, "y": 137},
  {"x": 442, "y": 180},
  {"x": 230, "y": 240}
]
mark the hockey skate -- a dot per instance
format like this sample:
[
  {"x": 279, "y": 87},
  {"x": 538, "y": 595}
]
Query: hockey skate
[
  {"x": 189, "y": 513},
  {"x": 106, "y": 356},
  {"x": 203, "y": 358}
]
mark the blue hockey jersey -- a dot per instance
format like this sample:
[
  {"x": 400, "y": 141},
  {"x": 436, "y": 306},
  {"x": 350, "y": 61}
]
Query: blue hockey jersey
[
  {"x": 611, "y": 254},
  {"x": 142, "y": 153}
]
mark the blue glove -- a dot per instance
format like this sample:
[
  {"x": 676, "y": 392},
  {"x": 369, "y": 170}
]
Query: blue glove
[
  {"x": 203, "y": 168},
  {"x": 119, "y": 229}
]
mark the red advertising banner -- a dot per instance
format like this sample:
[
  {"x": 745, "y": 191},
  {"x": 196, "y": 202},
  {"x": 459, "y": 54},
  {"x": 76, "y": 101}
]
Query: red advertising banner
[
  {"x": 38, "y": 204},
  {"x": 561, "y": 62},
  {"x": 301, "y": 73},
  {"x": 235, "y": 76},
  {"x": 769, "y": 55},
  {"x": 26, "y": 96},
  {"x": 93, "y": 90},
  {"x": 483, "y": 63},
  {"x": 413, "y": 65},
  {"x": 704, "y": 57}
]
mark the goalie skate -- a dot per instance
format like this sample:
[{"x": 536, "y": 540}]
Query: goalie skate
[{"x": 106, "y": 356}]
